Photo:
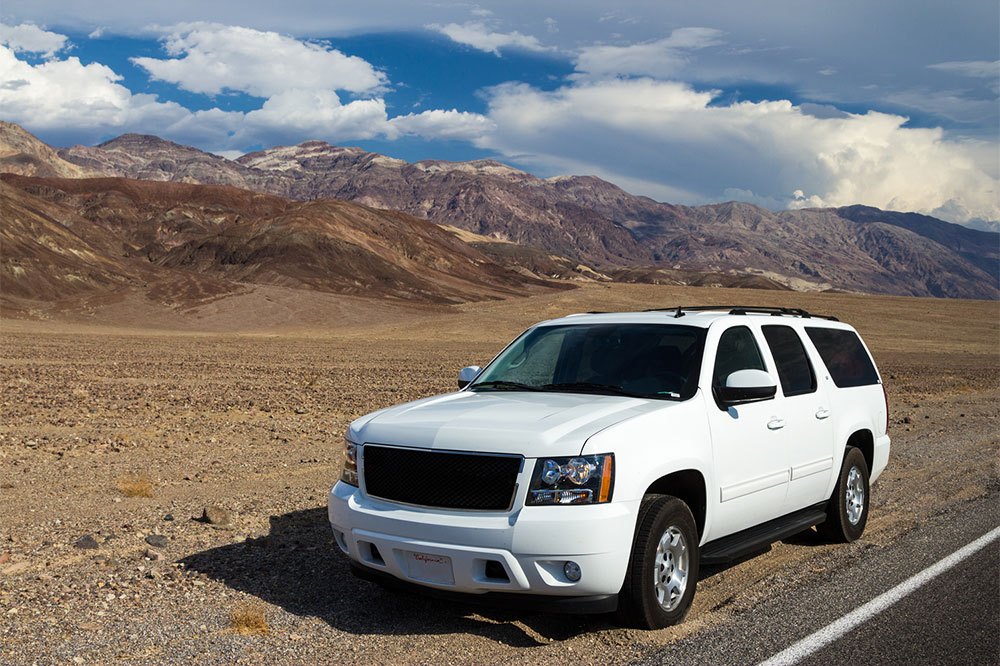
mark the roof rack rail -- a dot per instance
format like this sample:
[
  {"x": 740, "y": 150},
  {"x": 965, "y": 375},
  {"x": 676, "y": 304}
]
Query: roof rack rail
[{"x": 774, "y": 311}]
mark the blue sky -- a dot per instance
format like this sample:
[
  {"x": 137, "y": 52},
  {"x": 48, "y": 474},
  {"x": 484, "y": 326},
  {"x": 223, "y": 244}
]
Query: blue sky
[{"x": 785, "y": 104}]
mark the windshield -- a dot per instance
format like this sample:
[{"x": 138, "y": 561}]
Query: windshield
[{"x": 642, "y": 360}]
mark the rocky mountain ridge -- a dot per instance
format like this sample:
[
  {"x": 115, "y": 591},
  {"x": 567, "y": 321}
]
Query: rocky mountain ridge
[
  {"x": 184, "y": 243},
  {"x": 597, "y": 223},
  {"x": 22, "y": 153}
]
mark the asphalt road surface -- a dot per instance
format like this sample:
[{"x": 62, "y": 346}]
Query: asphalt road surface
[{"x": 952, "y": 618}]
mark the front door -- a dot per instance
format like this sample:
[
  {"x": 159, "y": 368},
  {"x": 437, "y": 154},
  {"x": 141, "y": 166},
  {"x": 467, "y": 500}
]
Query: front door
[{"x": 749, "y": 442}]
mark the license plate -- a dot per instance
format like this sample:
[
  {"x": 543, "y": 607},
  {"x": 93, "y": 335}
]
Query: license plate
[{"x": 429, "y": 568}]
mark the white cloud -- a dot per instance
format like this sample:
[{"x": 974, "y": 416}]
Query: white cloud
[
  {"x": 67, "y": 94},
  {"x": 477, "y": 35},
  {"x": 668, "y": 135},
  {"x": 976, "y": 68},
  {"x": 30, "y": 38},
  {"x": 213, "y": 58},
  {"x": 88, "y": 103},
  {"x": 316, "y": 114},
  {"x": 659, "y": 58},
  {"x": 440, "y": 124}
]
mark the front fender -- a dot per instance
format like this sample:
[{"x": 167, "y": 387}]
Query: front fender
[{"x": 650, "y": 446}]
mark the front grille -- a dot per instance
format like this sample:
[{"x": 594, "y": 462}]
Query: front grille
[{"x": 441, "y": 479}]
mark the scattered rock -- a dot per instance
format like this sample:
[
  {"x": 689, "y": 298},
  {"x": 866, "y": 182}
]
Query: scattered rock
[
  {"x": 157, "y": 540},
  {"x": 4, "y": 558},
  {"x": 301, "y": 410},
  {"x": 214, "y": 515},
  {"x": 907, "y": 419},
  {"x": 87, "y": 541},
  {"x": 169, "y": 516},
  {"x": 151, "y": 554}
]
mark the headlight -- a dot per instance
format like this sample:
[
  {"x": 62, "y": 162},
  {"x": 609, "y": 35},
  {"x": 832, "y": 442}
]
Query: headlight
[
  {"x": 350, "y": 473},
  {"x": 577, "y": 480}
]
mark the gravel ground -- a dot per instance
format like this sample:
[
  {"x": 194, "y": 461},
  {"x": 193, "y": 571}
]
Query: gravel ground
[{"x": 252, "y": 424}]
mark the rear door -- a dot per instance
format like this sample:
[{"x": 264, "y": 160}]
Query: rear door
[
  {"x": 749, "y": 445},
  {"x": 808, "y": 422}
]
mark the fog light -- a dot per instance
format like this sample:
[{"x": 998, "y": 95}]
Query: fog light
[{"x": 572, "y": 571}]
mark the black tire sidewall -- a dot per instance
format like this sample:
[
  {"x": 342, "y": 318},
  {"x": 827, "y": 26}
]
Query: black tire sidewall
[
  {"x": 657, "y": 514},
  {"x": 843, "y": 528}
]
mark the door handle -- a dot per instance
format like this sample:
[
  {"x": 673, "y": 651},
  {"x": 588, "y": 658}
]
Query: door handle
[
  {"x": 822, "y": 413},
  {"x": 775, "y": 423}
]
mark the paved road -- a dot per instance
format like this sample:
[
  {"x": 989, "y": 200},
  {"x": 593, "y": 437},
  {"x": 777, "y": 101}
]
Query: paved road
[{"x": 955, "y": 619}]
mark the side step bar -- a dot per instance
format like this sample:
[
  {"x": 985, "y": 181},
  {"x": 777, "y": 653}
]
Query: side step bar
[{"x": 758, "y": 537}]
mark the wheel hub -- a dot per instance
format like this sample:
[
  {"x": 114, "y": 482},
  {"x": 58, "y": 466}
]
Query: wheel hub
[
  {"x": 855, "y": 496},
  {"x": 671, "y": 569}
]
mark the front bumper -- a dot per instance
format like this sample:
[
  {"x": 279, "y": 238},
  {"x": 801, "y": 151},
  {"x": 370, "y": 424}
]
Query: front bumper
[{"x": 530, "y": 544}]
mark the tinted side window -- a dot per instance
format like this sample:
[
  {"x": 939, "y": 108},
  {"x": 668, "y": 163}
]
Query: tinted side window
[
  {"x": 844, "y": 355},
  {"x": 794, "y": 369},
  {"x": 737, "y": 351}
]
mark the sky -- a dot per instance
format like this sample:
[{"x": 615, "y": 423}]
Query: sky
[{"x": 786, "y": 104}]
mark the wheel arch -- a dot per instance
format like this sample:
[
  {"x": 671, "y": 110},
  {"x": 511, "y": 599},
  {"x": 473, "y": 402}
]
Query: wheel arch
[
  {"x": 864, "y": 440},
  {"x": 687, "y": 485}
]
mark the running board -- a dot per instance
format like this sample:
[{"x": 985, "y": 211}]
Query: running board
[{"x": 758, "y": 537}]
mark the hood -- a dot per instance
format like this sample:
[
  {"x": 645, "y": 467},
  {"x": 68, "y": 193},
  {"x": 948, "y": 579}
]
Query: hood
[{"x": 526, "y": 423}]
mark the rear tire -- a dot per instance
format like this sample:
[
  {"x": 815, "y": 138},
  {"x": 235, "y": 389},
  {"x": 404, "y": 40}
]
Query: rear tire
[
  {"x": 847, "y": 510},
  {"x": 663, "y": 568}
]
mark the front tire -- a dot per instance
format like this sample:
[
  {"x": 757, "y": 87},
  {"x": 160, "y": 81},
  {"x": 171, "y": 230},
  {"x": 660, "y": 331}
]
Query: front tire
[
  {"x": 847, "y": 510},
  {"x": 663, "y": 567}
]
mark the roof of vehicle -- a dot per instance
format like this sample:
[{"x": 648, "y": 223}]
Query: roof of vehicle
[{"x": 700, "y": 316}]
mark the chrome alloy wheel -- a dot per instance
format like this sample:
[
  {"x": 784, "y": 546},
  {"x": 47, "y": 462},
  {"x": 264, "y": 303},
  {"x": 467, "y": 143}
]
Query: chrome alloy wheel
[
  {"x": 671, "y": 569},
  {"x": 855, "y": 496}
]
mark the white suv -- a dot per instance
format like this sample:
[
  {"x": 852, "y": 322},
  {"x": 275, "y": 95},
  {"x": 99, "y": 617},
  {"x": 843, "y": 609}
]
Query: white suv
[{"x": 600, "y": 458}]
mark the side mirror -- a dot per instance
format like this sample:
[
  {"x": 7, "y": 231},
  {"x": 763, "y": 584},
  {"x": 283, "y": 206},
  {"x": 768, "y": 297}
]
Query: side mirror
[
  {"x": 467, "y": 374},
  {"x": 745, "y": 386}
]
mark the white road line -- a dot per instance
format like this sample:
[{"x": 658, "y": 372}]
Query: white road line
[{"x": 835, "y": 630}]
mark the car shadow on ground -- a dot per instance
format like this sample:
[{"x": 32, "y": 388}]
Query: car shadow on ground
[{"x": 298, "y": 567}]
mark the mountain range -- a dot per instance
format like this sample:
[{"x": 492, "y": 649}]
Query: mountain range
[
  {"x": 569, "y": 226},
  {"x": 182, "y": 244}
]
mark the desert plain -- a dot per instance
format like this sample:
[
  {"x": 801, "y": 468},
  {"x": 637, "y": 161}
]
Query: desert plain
[{"x": 121, "y": 421}]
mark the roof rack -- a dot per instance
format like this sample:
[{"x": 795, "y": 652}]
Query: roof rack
[{"x": 743, "y": 310}]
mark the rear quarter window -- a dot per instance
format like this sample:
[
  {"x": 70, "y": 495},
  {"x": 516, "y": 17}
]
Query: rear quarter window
[{"x": 844, "y": 355}]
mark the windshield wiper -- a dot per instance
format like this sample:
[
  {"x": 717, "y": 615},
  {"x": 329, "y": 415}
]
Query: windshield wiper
[
  {"x": 591, "y": 387},
  {"x": 503, "y": 385}
]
